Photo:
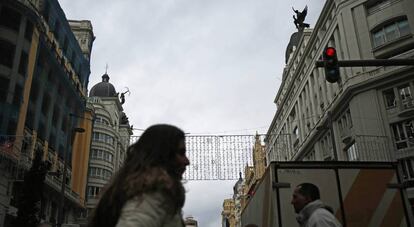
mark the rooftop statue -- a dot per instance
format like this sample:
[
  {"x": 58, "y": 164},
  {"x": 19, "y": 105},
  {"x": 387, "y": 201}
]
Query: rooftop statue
[
  {"x": 122, "y": 97},
  {"x": 300, "y": 18}
]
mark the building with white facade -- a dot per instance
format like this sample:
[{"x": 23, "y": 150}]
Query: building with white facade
[
  {"x": 110, "y": 138},
  {"x": 369, "y": 114}
]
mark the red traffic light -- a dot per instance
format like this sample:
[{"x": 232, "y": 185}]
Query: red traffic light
[
  {"x": 330, "y": 52},
  {"x": 331, "y": 65}
]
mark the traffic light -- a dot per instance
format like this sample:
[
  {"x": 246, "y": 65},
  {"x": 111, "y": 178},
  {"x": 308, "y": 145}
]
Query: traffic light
[{"x": 331, "y": 65}]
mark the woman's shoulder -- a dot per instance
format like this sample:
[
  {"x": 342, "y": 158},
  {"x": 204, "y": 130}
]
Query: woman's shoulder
[{"x": 147, "y": 210}]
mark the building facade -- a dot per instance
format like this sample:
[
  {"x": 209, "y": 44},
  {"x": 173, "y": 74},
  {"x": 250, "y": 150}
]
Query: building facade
[
  {"x": 244, "y": 189},
  {"x": 228, "y": 218},
  {"x": 253, "y": 174},
  {"x": 110, "y": 138},
  {"x": 43, "y": 82},
  {"x": 369, "y": 114},
  {"x": 190, "y": 222}
]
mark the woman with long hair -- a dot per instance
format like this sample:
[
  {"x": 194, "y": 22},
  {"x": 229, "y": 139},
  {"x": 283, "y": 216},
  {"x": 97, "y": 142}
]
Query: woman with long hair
[{"x": 147, "y": 191}]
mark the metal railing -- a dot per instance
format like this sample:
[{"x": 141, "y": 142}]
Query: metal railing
[{"x": 373, "y": 148}]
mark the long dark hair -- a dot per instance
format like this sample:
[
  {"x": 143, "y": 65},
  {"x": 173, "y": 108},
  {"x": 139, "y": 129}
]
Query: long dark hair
[{"x": 148, "y": 167}]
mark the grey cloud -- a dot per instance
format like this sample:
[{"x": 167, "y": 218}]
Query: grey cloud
[{"x": 206, "y": 66}]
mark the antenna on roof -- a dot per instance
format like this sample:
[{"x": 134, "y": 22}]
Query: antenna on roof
[{"x": 106, "y": 68}]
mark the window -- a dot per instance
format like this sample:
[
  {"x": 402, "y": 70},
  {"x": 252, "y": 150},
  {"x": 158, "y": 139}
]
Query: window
[
  {"x": 101, "y": 120},
  {"x": 11, "y": 128},
  {"x": 405, "y": 92},
  {"x": 45, "y": 104},
  {"x": 326, "y": 147},
  {"x": 6, "y": 53},
  {"x": 340, "y": 125},
  {"x": 403, "y": 134},
  {"x": 407, "y": 168},
  {"x": 390, "y": 32},
  {"x": 56, "y": 113},
  {"x": 103, "y": 138},
  {"x": 42, "y": 131},
  {"x": 102, "y": 155},
  {"x": 17, "y": 96},
  {"x": 390, "y": 101},
  {"x": 403, "y": 27},
  {"x": 410, "y": 129},
  {"x": 296, "y": 132},
  {"x": 28, "y": 31},
  {"x": 52, "y": 141},
  {"x": 100, "y": 173},
  {"x": 405, "y": 95},
  {"x": 64, "y": 122},
  {"x": 4, "y": 89},
  {"x": 23, "y": 64},
  {"x": 349, "y": 118},
  {"x": 93, "y": 191},
  {"x": 10, "y": 18},
  {"x": 352, "y": 152}
]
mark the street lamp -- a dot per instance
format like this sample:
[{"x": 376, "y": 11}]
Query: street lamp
[{"x": 65, "y": 166}]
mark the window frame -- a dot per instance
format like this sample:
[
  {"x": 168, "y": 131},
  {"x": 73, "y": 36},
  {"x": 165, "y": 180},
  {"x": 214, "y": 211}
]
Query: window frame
[{"x": 381, "y": 29}]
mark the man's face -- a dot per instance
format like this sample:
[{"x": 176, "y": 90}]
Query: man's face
[{"x": 299, "y": 201}]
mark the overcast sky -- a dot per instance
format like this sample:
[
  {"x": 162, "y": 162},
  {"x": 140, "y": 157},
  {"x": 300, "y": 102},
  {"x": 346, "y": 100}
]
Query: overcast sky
[{"x": 207, "y": 66}]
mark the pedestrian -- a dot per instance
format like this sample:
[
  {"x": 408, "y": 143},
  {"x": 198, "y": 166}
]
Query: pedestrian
[
  {"x": 147, "y": 191},
  {"x": 311, "y": 212}
]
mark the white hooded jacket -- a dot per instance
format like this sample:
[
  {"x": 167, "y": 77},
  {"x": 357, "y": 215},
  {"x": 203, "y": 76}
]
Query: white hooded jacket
[
  {"x": 148, "y": 212},
  {"x": 316, "y": 214}
]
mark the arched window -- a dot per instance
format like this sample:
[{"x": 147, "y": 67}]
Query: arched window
[{"x": 390, "y": 31}]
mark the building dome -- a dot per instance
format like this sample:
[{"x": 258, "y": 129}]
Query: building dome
[{"x": 103, "y": 89}]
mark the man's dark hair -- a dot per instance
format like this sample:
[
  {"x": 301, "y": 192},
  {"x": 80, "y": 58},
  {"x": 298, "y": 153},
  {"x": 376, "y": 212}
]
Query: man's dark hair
[
  {"x": 250, "y": 225},
  {"x": 309, "y": 190}
]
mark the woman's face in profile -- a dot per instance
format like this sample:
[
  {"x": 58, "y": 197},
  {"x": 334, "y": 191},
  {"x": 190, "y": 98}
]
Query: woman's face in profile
[{"x": 181, "y": 160}]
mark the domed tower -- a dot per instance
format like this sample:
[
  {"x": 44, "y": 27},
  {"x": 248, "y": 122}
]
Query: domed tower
[
  {"x": 110, "y": 137},
  {"x": 103, "y": 89}
]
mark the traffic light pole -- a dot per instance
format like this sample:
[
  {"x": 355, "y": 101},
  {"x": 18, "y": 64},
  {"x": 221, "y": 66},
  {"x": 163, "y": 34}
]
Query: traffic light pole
[{"x": 369, "y": 62}]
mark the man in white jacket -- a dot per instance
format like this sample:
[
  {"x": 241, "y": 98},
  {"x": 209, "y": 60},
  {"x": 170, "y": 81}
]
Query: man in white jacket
[{"x": 310, "y": 209}]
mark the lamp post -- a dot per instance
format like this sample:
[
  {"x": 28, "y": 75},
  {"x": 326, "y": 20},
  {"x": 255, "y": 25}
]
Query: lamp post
[{"x": 65, "y": 166}]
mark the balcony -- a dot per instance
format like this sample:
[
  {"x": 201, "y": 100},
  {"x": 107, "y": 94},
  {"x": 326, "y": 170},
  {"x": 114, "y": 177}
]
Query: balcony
[
  {"x": 405, "y": 152},
  {"x": 56, "y": 183},
  {"x": 373, "y": 148},
  {"x": 15, "y": 147},
  {"x": 407, "y": 108}
]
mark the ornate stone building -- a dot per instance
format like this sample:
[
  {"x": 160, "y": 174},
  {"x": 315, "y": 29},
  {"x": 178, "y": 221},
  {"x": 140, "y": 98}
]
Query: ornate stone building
[
  {"x": 259, "y": 158},
  {"x": 228, "y": 217},
  {"x": 253, "y": 174},
  {"x": 244, "y": 189},
  {"x": 43, "y": 83},
  {"x": 110, "y": 138},
  {"x": 238, "y": 198},
  {"x": 369, "y": 114}
]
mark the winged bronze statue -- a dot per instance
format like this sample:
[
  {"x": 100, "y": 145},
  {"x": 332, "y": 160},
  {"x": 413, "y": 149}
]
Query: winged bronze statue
[{"x": 300, "y": 18}]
